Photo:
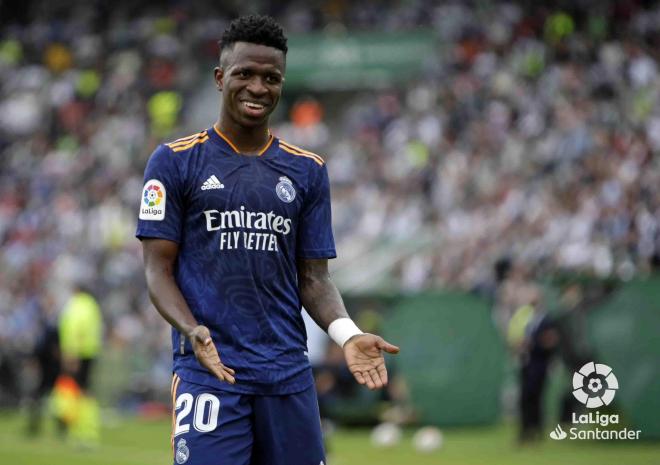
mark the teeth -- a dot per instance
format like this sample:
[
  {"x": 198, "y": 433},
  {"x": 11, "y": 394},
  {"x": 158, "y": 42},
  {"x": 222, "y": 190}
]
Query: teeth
[{"x": 255, "y": 106}]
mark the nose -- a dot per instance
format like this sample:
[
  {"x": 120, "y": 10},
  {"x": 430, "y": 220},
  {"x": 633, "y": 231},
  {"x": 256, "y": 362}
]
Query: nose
[{"x": 256, "y": 86}]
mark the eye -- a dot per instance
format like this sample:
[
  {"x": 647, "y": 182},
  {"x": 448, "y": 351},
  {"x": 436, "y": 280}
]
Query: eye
[
  {"x": 273, "y": 79},
  {"x": 243, "y": 73}
]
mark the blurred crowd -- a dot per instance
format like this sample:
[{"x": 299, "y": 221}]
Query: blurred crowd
[
  {"x": 533, "y": 134},
  {"x": 534, "y": 137}
]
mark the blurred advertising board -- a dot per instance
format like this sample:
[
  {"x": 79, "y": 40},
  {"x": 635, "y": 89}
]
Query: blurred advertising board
[{"x": 334, "y": 62}]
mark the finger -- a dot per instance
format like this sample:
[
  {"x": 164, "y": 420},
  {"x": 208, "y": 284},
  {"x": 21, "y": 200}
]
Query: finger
[
  {"x": 229, "y": 378},
  {"x": 217, "y": 372},
  {"x": 382, "y": 371},
  {"x": 359, "y": 378},
  {"x": 225, "y": 367},
  {"x": 376, "y": 378},
  {"x": 370, "y": 382},
  {"x": 387, "y": 347},
  {"x": 229, "y": 370},
  {"x": 221, "y": 372}
]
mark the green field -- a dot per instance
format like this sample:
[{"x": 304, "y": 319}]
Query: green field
[{"x": 139, "y": 442}]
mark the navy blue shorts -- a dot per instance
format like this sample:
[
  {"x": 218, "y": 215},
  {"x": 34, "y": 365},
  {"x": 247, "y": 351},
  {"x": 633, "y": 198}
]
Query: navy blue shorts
[{"x": 212, "y": 427}]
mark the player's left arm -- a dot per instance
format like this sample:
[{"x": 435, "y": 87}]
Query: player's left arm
[{"x": 321, "y": 299}]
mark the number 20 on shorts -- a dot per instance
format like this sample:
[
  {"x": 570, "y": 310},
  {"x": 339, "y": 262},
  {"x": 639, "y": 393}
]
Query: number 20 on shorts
[{"x": 205, "y": 416}]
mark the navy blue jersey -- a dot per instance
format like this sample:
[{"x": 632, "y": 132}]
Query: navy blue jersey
[{"x": 240, "y": 222}]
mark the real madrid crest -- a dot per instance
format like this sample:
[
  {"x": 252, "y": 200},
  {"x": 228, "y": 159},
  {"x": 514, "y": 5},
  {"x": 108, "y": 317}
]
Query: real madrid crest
[
  {"x": 182, "y": 452},
  {"x": 285, "y": 190}
]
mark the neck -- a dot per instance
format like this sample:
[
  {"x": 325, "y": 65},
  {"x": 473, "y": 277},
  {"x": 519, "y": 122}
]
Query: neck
[{"x": 248, "y": 140}]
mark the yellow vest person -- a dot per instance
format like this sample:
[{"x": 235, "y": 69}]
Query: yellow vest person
[
  {"x": 81, "y": 337},
  {"x": 81, "y": 327}
]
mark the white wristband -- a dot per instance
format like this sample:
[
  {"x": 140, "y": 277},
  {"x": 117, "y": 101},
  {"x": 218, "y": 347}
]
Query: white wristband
[{"x": 342, "y": 329}]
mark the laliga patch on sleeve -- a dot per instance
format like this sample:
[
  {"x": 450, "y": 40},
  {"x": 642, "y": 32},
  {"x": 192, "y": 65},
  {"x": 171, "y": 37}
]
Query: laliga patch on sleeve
[{"x": 152, "y": 205}]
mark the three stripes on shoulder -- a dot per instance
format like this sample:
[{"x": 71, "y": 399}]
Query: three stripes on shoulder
[
  {"x": 187, "y": 142},
  {"x": 301, "y": 152}
]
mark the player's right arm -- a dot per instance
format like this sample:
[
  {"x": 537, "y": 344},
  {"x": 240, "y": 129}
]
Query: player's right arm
[
  {"x": 162, "y": 213},
  {"x": 159, "y": 258}
]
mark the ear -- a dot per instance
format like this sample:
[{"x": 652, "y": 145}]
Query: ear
[{"x": 219, "y": 74}]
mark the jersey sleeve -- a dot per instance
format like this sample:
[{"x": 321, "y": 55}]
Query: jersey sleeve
[
  {"x": 315, "y": 239},
  {"x": 160, "y": 214}
]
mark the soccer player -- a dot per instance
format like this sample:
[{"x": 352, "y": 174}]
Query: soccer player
[{"x": 236, "y": 233}]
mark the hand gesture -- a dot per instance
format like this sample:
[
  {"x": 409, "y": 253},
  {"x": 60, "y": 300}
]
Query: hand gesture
[
  {"x": 208, "y": 356},
  {"x": 365, "y": 360}
]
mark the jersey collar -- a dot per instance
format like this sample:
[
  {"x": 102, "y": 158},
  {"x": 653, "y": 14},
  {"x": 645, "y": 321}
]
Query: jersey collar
[{"x": 221, "y": 138}]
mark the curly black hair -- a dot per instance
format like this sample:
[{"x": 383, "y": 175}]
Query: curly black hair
[{"x": 256, "y": 29}]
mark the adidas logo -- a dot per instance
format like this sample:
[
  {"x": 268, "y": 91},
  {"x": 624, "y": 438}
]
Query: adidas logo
[{"x": 212, "y": 183}]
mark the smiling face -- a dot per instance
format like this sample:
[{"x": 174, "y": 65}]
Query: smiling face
[{"x": 250, "y": 77}]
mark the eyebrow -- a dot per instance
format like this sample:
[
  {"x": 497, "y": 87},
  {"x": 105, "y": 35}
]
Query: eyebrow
[{"x": 250, "y": 67}]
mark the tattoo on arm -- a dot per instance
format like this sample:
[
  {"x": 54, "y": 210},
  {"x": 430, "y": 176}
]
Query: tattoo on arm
[{"x": 318, "y": 293}]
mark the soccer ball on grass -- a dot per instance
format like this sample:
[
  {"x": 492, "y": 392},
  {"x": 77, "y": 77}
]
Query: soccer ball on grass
[{"x": 427, "y": 439}]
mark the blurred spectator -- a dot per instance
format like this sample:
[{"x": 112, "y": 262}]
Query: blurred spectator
[
  {"x": 81, "y": 339},
  {"x": 536, "y": 348},
  {"x": 46, "y": 356}
]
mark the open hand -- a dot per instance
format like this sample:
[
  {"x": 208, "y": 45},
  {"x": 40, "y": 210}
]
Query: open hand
[
  {"x": 208, "y": 356},
  {"x": 364, "y": 357}
]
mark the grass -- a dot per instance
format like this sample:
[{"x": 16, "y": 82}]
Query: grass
[{"x": 131, "y": 441}]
